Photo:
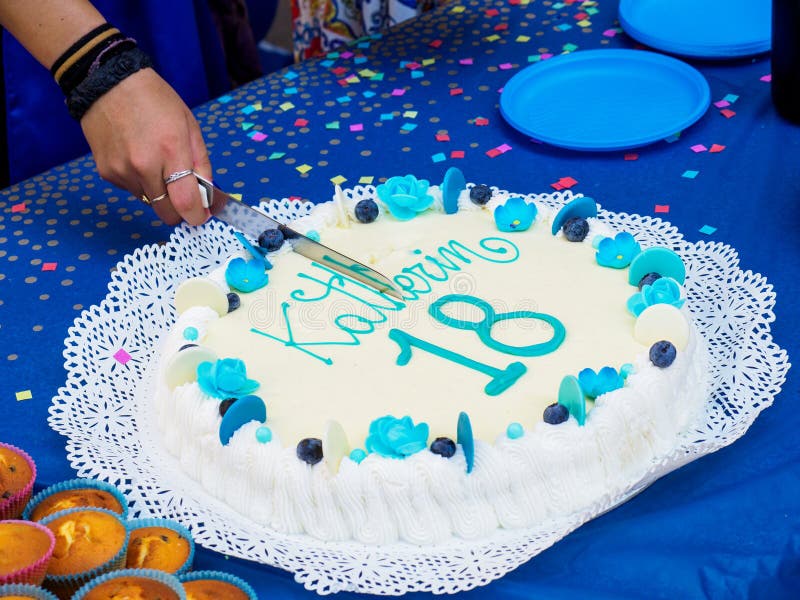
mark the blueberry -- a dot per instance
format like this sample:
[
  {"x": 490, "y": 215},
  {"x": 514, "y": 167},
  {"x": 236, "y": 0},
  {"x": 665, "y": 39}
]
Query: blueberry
[
  {"x": 648, "y": 280},
  {"x": 555, "y": 414},
  {"x": 309, "y": 450},
  {"x": 185, "y": 346},
  {"x": 234, "y": 301},
  {"x": 225, "y": 405},
  {"x": 288, "y": 233},
  {"x": 366, "y": 211},
  {"x": 575, "y": 229},
  {"x": 480, "y": 194},
  {"x": 271, "y": 239},
  {"x": 662, "y": 354},
  {"x": 443, "y": 446}
]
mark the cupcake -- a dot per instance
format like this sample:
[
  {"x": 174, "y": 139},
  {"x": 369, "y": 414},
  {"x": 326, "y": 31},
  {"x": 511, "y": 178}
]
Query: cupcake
[
  {"x": 89, "y": 542},
  {"x": 73, "y": 494},
  {"x": 17, "y": 474},
  {"x": 159, "y": 544},
  {"x": 138, "y": 584},
  {"x": 216, "y": 585},
  {"x": 25, "y": 551},
  {"x": 24, "y": 591}
]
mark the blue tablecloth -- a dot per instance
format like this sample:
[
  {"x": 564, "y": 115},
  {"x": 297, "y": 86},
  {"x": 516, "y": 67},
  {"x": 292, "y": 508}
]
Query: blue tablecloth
[{"x": 725, "y": 526}]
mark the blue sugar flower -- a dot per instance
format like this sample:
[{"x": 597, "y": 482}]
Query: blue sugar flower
[
  {"x": 515, "y": 215},
  {"x": 405, "y": 196},
  {"x": 226, "y": 378},
  {"x": 594, "y": 384},
  {"x": 246, "y": 275},
  {"x": 617, "y": 252},
  {"x": 662, "y": 291},
  {"x": 396, "y": 438}
]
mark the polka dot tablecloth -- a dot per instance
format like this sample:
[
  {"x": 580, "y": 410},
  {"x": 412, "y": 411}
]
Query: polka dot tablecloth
[{"x": 420, "y": 99}]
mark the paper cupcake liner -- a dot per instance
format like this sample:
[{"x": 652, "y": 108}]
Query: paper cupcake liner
[
  {"x": 33, "y": 574},
  {"x": 134, "y": 524},
  {"x": 12, "y": 507},
  {"x": 221, "y": 576},
  {"x": 169, "y": 580},
  {"x": 27, "y": 590},
  {"x": 64, "y": 586},
  {"x": 76, "y": 484}
]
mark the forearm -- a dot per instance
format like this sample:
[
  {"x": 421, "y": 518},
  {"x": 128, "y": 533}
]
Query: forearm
[{"x": 48, "y": 27}]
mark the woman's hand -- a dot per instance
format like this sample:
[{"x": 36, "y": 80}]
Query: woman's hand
[{"x": 140, "y": 132}]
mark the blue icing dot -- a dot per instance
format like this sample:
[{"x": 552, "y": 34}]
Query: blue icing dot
[
  {"x": 358, "y": 455},
  {"x": 264, "y": 434},
  {"x": 244, "y": 410},
  {"x": 191, "y": 334},
  {"x": 515, "y": 431},
  {"x": 465, "y": 439},
  {"x": 626, "y": 370}
]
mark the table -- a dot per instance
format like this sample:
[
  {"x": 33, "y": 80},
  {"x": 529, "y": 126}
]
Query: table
[{"x": 725, "y": 526}]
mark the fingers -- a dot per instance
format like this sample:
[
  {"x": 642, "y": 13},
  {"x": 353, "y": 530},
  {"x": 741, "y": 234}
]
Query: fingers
[
  {"x": 185, "y": 195},
  {"x": 163, "y": 208}
]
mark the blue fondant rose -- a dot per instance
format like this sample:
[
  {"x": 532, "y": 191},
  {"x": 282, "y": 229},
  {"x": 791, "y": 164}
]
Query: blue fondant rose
[
  {"x": 605, "y": 380},
  {"x": 246, "y": 275},
  {"x": 617, "y": 252},
  {"x": 515, "y": 215},
  {"x": 396, "y": 438},
  {"x": 226, "y": 378},
  {"x": 662, "y": 291},
  {"x": 405, "y": 196}
]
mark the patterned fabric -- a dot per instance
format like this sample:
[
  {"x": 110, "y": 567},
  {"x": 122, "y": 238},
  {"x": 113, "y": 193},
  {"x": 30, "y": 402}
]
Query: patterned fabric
[{"x": 322, "y": 25}]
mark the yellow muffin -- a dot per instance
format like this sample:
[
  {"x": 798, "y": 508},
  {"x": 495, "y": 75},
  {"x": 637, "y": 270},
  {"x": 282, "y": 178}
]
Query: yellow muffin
[
  {"x": 213, "y": 589},
  {"x": 85, "y": 540},
  {"x": 16, "y": 481},
  {"x": 157, "y": 548},
  {"x": 83, "y": 497},
  {"x": 25, "y": 549},
  {"x": 131, "y": 588}
]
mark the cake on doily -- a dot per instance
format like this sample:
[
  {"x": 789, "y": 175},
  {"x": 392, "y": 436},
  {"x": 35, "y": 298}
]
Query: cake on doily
[{"x": 536, "y": 362}]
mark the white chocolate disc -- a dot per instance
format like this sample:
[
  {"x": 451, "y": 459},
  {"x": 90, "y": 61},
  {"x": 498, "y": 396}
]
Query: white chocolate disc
[
  {"x": 201, "y": 291},
  {"x": 182, "y": 367},
  {"x": 662, "y": 322},
  {"x": 334, "y": 445}
]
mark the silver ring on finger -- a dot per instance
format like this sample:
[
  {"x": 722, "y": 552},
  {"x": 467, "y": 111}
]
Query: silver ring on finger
[
  {"x": 173, "y": 177},
  {"x": 150, "y": 201}
]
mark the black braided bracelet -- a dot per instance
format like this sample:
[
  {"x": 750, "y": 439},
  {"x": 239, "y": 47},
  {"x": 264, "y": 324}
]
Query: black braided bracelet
[{"x": 103, "y": 78}]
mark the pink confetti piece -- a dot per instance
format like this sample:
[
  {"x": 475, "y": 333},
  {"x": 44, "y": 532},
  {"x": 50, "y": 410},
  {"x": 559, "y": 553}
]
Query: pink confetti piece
[
  {"x": 347, "y": 54},
  {"x": 698, "y": 148},
  {"x": 357, "y": 127},
  {"x": 501, "y": 27},
  {"x": 456, "y": 91},
  {"x": 767, "y": 78},
  {"x": 567, "y": 182},
  {"x": 398, "y": 92},
  {"x": 121, "y": 356},
  {"x": 257, "y": 136},
  {"x": 557, "y": 186},
  {"x": 580, "y": 16},
  {"x": 716, "y": 148},
  {"x": 442, "y": 137},
  {"x": 49, "y": 266},
  {"x": 465, "y": 61},
  {"x": 721, "y": 103},
  {"x": 301, "y": 122},
  {"x": 545, "y": 56},
  {"x": 727, "y": 113},
  {"x": 481, "y": 121},
  {"x": 491, "y": 12},
  {"x": 413, "y": 65},
  {"x": 494, "y": 152},
  {"x": 506, "y": 66},
  {"x": 632, "y": 156},
  {"x": 662, "y": 208},
  {"x": 435, "y": 44},
  {"x": 16, "y": 208},
  {"x": 339, "y": 71},
  {"x": 610, "y": 33},
  {"x": 504, "y": 148},
  {"x": 457, "y": 154}
]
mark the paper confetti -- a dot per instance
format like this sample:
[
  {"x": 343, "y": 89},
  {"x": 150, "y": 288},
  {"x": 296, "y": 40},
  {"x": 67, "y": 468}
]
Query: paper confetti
[
  {"x": 303, "y": 169},
  {"x": 246, "y": 126},
  {"x": 493, "y": 153},
  {"x": 408, "y": 126},
  {"x": 699, "y": 148},
  {"x": 631, "y": 156},
  {"x": 767, "y": 78},
  {"x": 286, "y": 106},
  {"x": 456, "y": 91},
  {"x": 465, "y": 61},
  {"x": 438, "y": 157},
  {"x": 338, "y": 180},
  {"x": 277, "y": 155},
  {"x": 435, "y": 43},
  {"x": 257, "y": 136},
  {"x": 707, "y": 229},
  {"x": 49, "y": 266},
  {"x": 457, "y": 154},
  {"x": 727, "y": 113},
  {"x": 690, "y": 174},
  {"x": 721, "y": 103},
  {"x": 290, "y": 90},
  {"x": 366, "y": 179},
  {"x": 442, "y": 137},
  {"x": 17, "y": 208},
  {"x": 716, "y": 148},
  {"x": 224, "y": 99},
  {"x": 398, "y": 91},
  {"x": 523, "y": 38},
  {"x": 357, "y": 127},
  {"x": 491, "y": 12},
  {"x": 300, "y": 122},
  {"x": 505, "y": 148},
  {"x": 662, "y": 208},
  {"x": 24, "y": 395},
  {"x": 387, "y": 116},
  {"x": 121, "y": 356},
  {"x": 505, "y": 66},
  {"x": 481, "y": 121},
  {"x": 410, "y": 114},
  {"x": 491, "y": 38},
  {"x": 417, "y": 74},
  {"x": 731, "y": 98},
  {"x": 332, "y": 125}
]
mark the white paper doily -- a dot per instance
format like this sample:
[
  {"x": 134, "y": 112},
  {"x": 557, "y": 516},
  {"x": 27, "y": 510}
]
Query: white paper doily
[{"x": 105, "y": 410}]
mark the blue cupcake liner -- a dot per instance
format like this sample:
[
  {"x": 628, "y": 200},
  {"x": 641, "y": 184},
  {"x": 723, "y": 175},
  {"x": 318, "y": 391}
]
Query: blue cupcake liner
[
  {"x": 70, "y": 583},
  {"x": 221, "y": 576},
  {"x": 26, "y": 589},
  {"x": 134, "y": 524},
  {"x": 169, "y": 580},
  {"x": 76, "y": 484}
]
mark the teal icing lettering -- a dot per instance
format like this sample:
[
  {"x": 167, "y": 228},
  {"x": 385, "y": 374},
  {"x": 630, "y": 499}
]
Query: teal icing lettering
[
  {"x": 410, "y": 272},
  {"x": 405, "y": 283},
  {"x": 502, "y": 379},
  {"x": 291, "y": 342},
  {"x": 444, "y": 276},
  {"x": 341, "y": 280}
]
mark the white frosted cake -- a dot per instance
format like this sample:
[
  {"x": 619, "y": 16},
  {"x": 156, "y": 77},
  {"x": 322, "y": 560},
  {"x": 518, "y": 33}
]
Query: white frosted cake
[{"x": 537, "y": 362}]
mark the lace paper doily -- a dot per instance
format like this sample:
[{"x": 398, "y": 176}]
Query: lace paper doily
[{"x": 105, "y": 410}]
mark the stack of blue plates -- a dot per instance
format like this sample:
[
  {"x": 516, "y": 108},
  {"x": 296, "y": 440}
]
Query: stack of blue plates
[{"x": 716, "y": 29}]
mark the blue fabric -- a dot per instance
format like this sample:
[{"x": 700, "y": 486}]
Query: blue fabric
[
  {"x": 179, "y": 36},
  {"x": 725, "y": 526}
]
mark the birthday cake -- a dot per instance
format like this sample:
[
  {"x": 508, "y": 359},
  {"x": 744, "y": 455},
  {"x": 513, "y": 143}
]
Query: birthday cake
[{"x": 529, "y": 362}]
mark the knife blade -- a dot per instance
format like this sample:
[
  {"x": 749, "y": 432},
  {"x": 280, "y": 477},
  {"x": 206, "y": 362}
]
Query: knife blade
[{"x": 253, "y": 222}]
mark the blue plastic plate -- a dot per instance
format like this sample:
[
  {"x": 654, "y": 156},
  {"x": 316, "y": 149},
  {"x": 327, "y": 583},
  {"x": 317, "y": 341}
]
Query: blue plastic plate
[
  {"x": 700, "y": 28},
  {"x": 605, "y": 99}
]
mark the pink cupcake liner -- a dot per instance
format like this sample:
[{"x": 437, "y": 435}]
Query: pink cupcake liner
[
  {"x": 33, "y": 574},
  {"x": 12, "y": 507}
]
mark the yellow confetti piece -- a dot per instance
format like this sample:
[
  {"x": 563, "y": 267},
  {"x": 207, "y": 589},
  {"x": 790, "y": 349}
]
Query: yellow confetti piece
[
  {"x": 286, "y": 106},
  {"x": 366, "y": 179},
  {"x": 304, "y": 168},
  {"x": 410, "y": 114},
  {"x": 257, "y": 105},
  {"x": 584, "y": 23},
  {"x": 24, "y": 395},
  {"x": 352, "y": 79},
  {"x": 523, "y": 38},
  {"x": 338, "y": 180},
  {"x": 428, "y": 62},
  {"x": 236, "y": 197},
  {"x": 492, "y": 38},
  {"x": 367, "y": 73},
  {"x": 458, "y": 9}
]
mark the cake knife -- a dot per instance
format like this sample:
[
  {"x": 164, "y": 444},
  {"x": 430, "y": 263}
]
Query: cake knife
[{"x": 253, "y": 222}]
